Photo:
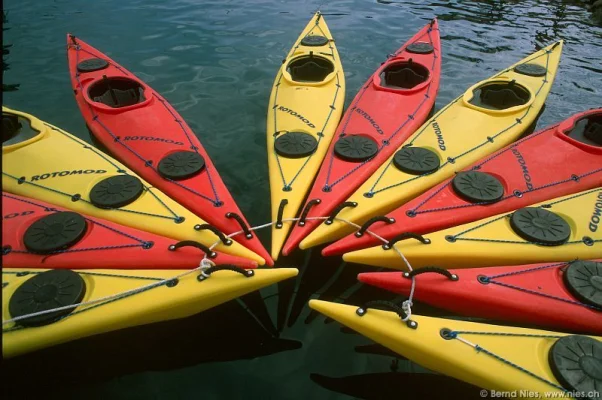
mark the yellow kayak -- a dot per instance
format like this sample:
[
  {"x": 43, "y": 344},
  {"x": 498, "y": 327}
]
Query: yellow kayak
[
  {"x": 305, "y": 107},
  {"x": 543, "y": 362},
  {"x": 562, "y": 229},
  {"x": 27, "y": 291},
  {"x": 446, "y": 346},
  {"x": 487, "y": 117},
  {"x": 46, "y": 163}
]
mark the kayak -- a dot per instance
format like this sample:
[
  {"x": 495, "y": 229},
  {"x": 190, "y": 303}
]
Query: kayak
[
  {"x": 43, "y": 162},
  {"x": 139, "y": 127},
  {"x": 527, "y": 362},
  {"x": 114, "y": 299},
  {"x": 563, "y": 229},
  {"x": 560, "y": 160},
  {"x": 566, "y": 296},
  {"x": 388, "y": 108},
  {"x": 487, "y": 117},
  {"x": 36, "y": 234},
  {"x": 305, "y": 107}
]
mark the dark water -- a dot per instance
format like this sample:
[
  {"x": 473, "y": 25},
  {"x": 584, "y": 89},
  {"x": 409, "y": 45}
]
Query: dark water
[{"x": 215, "y": 61}]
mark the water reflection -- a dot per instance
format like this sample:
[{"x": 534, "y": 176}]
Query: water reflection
[
  {"x": 379, "y": 350},
  {"x": 387, "y": 385},
  {"x": 6, "y": 87},
  {"x": 222, "y": 334}
]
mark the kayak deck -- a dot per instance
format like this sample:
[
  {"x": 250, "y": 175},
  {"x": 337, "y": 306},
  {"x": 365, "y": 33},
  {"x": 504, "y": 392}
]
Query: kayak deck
[
  {"x": 306, "y": 104},
  {"x": 98, "y": 301},
  {"x": 485, "y": 118},
  {"x": 394, "y": 102},
  {"x": 138, "y": 126}
]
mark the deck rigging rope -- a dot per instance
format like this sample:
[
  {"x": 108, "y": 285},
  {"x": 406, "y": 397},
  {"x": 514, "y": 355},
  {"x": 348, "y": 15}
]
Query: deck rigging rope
[
  {"x": 454, "y": 335},
  {"x": 204, "y": 264},
  {"x": 490, "y": 279},
  {"x": 328, "y": 186},
  {"x": 451, "y": 160},
  {"x": 585, "y": 240},
  {"x": 141, "y": 243},
  {"x": 288, "y": 185},
  {"x": 216, "y": 202}
]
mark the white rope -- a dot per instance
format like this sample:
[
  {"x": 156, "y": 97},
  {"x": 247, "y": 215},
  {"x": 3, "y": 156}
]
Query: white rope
[
  {"x": 126, "y": 293},
  {"x": 466, "y": 342},
  {"x": 205, "y": 263}
]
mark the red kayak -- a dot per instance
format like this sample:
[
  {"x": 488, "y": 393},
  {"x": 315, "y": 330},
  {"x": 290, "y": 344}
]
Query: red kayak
[
  {"x": 563, "y": 296},
  {"x": 392, "y": 104},
  {"x": 560, "y": 160},
  {"x": 36, "y": 234},
  {"x": 140, "y": 128}
]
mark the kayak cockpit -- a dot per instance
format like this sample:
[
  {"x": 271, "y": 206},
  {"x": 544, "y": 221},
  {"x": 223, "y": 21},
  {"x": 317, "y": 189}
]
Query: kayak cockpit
[
  {"x": 310, "y": 69},
  {"x": 500, "y": 95},
  {"x": 16, "y": 129},
  {"x": 587, "y": 130},
  {"x": 403, "y": 75},
  {"x": 116, "y": 92}
]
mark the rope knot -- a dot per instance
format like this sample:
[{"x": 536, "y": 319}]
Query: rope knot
[
  {"x": 204, "y": 265},
  {"x": 406, "y": 306}
]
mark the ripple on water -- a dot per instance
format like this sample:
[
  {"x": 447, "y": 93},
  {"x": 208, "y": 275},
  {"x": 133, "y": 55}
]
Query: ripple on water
[
  {"x": 228, "y": 33},
  {"x": 148, "y": 78},
  {"x": 250, "y": 92},
  {"x": 231, "y": 63},
  {"x": 225, "y": 50},
  {"x": 268, "y": 33},
  {"x": 220, "y": 79},
  {"x": 151, "y": 37},
  {"x": 185, "y": 47},
  {"x": 155, "y": 61}
]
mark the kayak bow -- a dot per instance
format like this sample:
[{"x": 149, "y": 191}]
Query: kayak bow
[
  {"x": 493, "y": 357},
  {"x": 113, "y": 300},
  {"x": 563, "y": 296}
]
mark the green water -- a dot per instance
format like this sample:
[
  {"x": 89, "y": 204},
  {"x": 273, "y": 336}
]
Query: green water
[{"x": 215, "y": 61}]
